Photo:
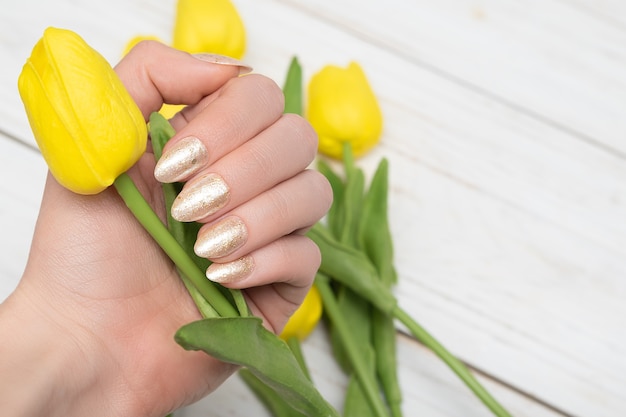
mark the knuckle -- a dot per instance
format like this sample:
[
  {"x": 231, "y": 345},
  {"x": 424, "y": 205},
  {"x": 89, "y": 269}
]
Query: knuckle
[
  {"x": 145, "y": 47},
  {"x": 270, "y": 94},
  {"x": 320, "y": 187},
  {"x": 315, "y": 256},
  {"x": 282, "y": 206},
  {"x": 261, "y": 157},
  {"x": 303, "y": 133}
]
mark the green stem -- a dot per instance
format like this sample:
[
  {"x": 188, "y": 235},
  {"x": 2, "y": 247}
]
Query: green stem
[
  {"x": 354, "y": 352},
  {"x": 205, "y": 308},
  {"x": 153, "y": 225},
  {"x": 456, "y": 365}
]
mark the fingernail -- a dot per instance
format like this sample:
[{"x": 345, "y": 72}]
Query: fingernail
[
  {"x": 182, "y": 160},
  {"x": 222, "y": 238},
  {"x": 200, "y": 198},
  {"x": 231, "y": 271},
  {"x": 224, "y": 60}
]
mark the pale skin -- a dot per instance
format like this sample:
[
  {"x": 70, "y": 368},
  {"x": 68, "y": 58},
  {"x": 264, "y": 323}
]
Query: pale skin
[{"x": 89, "y": 329}]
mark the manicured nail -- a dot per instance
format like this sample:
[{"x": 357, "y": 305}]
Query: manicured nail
[
  {"x": 182, "y": 160},
  {"x": 222, "y": 238},
  {"x": 231, "y": 271},
  {"x": 200, "y": 198},
  {"x": 224, "y": 60}
]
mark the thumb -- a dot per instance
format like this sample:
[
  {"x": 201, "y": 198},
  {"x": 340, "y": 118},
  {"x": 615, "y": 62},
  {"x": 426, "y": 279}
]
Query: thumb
[{"x": 154, "y": 74}]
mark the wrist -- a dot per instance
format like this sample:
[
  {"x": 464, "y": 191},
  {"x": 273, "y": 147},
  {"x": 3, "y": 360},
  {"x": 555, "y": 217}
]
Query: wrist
[{"x": 44, "y": 370}]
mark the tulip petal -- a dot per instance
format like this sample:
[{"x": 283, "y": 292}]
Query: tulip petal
[
  {"x": 85, "y": 122},
  {"x": 209, "y": 26},
  {"x": 342, "y": 107}
]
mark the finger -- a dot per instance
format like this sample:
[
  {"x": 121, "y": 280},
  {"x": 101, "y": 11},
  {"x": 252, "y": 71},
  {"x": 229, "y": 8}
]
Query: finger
[
  {"x": 154, "y": 73},
  {"x": 292, "y": 260},
  {"x": 292, "y": 205},
  {"x": 276, "y": 278},
  {"x": 276, "y": 154},
  {"x": 237, "y": 112}
]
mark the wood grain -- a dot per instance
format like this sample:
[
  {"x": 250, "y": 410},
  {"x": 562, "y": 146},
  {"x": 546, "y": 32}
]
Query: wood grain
[{"x": 504, "y": 129}]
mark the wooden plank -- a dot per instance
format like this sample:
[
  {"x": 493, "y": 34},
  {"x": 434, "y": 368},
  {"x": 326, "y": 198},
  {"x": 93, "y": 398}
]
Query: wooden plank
[
  {"x": 610, "y": 12},
  {"x": 509, "y": 229},
  {"x": 519, "y": 298},
  {"x": 504, "y": 141},
  {"x": 535, "y": 236},
  {"x": 555, "y": 62}
]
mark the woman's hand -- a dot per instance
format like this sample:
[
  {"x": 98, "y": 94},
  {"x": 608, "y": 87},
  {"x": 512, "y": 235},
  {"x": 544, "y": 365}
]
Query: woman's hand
[{"x": 92, "y": 321}]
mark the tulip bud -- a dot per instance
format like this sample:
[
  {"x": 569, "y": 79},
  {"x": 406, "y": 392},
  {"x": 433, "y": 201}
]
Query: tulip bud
[
  {"x": 209, "y": 26},
  {"x": 343, "y": 108},
  {"x": 87, "y": 126},
  {"x": 137, "y": 39},
  {"x": 306, "y": 317}
]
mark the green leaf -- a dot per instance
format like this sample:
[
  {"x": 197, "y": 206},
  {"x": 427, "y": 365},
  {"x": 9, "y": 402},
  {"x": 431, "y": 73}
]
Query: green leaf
[
  {"x": 376, "y": 241},
  {"x": 160, "y": 132},
  {"x": 351, "y": 268},
  {"x": 244, "y": 341},
  {"x": 293, "y": 88},
  {"x": 385, "y": 357},
  {"x": 351, "y": 207},
  {"x": 357, "y": 403},
  {"x": 356, "y": 353},
  {"x": 274, "y": 403},
  {"x": 374, "y": 232},
  {"x": 335, "y": 213},
  {"x": 356, "y": 311},
  {"x": 296, "y": 348}
]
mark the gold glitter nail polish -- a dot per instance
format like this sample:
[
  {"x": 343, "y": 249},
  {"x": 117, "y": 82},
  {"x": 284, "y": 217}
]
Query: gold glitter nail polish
[
  {"x": 222, "y": 238},
  {"x": 231, "y": 271},
  {"x": 184, "y": 159},
  {"x": 224, "y": 60},
  {"x": 200, "y": 198}
]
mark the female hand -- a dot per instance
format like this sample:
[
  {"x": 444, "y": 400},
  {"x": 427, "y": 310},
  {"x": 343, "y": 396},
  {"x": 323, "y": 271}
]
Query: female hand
[{"x": 91, "y": 323}]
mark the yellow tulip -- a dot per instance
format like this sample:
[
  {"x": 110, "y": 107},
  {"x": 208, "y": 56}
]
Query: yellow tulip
[
  {"x": 87, "y": 126},
  {"x": 306, "y": 317},
  {"x": 342, "y": 108},
  {"x": 213, "y": 26},
  {"x": 139, "y": 38},
  {"x": 169, "y": 110}
]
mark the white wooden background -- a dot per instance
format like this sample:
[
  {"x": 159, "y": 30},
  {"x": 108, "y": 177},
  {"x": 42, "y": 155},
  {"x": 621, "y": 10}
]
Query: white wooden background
[{"x": 506, "y": 132}]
